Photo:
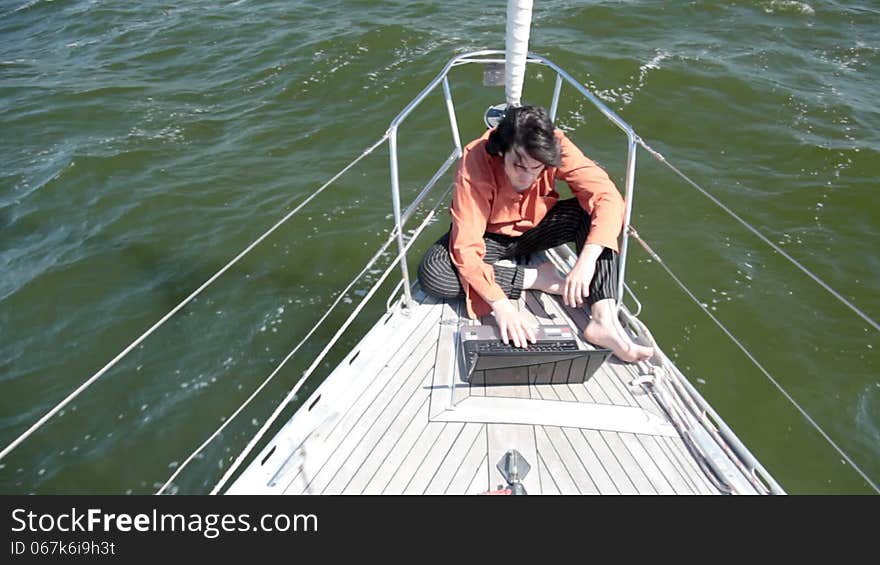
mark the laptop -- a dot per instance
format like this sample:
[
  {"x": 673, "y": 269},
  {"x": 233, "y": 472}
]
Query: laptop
[{"x": 555, "y": 358}]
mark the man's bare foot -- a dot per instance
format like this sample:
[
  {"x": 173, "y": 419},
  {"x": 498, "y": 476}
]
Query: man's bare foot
[
  {"x": 605, "y": 330},
  {"x": 547, "y": 278}
]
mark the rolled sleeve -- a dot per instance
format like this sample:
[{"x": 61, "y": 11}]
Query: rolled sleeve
[
  {"x": 595, "y": 192},
  {"x": 470, "y": 211}
]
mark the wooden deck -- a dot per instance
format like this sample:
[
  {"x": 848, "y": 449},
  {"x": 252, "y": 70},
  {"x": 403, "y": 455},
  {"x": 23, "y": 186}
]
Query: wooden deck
[{"x": 395, "y": 417}]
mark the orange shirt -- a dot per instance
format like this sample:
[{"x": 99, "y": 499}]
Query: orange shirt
[{"x": 484, "y": 201}]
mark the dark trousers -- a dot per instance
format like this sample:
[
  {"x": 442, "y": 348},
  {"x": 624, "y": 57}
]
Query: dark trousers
[{"x": 566, "y": 222}]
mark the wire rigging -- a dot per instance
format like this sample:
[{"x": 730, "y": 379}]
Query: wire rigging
[
  {"x": 761, "y": 236},
  {"x": 70, "y": 397},
  {"x": 635, "y": 235}
]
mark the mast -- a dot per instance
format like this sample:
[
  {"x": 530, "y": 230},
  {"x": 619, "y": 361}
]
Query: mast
[{"x": 519, "y": 21}]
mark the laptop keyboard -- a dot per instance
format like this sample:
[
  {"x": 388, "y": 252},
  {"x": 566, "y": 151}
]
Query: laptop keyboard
[{"x": 497, "y": 346}]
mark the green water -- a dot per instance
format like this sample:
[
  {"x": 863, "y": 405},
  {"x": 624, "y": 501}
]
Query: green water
[{"x": 145, "y": 145}]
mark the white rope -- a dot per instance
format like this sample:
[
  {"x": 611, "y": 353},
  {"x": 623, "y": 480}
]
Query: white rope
[
  {"x": 284, "y": 361},
  {"x": 177, "y": 308},
  {"x": 761, "y": 236},
  {"x": 308, "y": 372},
  {"x": 752, "y": 358}
]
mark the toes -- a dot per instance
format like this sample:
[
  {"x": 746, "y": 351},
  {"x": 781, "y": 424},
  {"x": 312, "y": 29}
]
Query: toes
[
  {"x": 645, "y": 353},
  {"x": 634, "y": 353}
]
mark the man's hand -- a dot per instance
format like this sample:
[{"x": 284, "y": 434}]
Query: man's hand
[
  {"x": 514, "y": 326},
  {"x": 577, "y": 283}
]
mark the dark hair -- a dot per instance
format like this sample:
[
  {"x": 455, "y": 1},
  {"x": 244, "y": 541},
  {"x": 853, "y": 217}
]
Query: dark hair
[{"x": 529, "y": 128}]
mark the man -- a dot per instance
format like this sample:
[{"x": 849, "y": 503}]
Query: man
[{"x": 505, "y": 205}]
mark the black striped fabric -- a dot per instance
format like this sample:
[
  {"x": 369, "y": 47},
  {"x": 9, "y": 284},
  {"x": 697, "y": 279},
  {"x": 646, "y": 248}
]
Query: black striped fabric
[{"x": 566, "y": 222}]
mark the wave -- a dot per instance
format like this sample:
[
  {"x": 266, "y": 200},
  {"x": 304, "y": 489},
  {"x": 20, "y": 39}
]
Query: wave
[
  {"x": 788, "y": 7},
  {"x": 866, "y": 420},
  {"x": 625, "y": 94},
  {"x": 23, "y": 7}
]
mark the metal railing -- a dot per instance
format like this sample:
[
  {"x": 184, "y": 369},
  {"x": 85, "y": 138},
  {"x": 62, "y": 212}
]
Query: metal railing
[{"x": 442, "y": 78}]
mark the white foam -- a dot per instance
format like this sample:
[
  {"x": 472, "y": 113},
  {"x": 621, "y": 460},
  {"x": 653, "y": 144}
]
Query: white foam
[
  {"x": 789, "y": 6},
  {"x": 626, "y": 93}
]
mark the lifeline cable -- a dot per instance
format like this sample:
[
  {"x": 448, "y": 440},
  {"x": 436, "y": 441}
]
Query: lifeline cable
[
  {"x": 656, "y": 257},
  {"x": 39, "y": 423},
  {"x": 284, "y": 361},
  {"x": 308, "y": 372},
  {"x": 761, "y": 236}
]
